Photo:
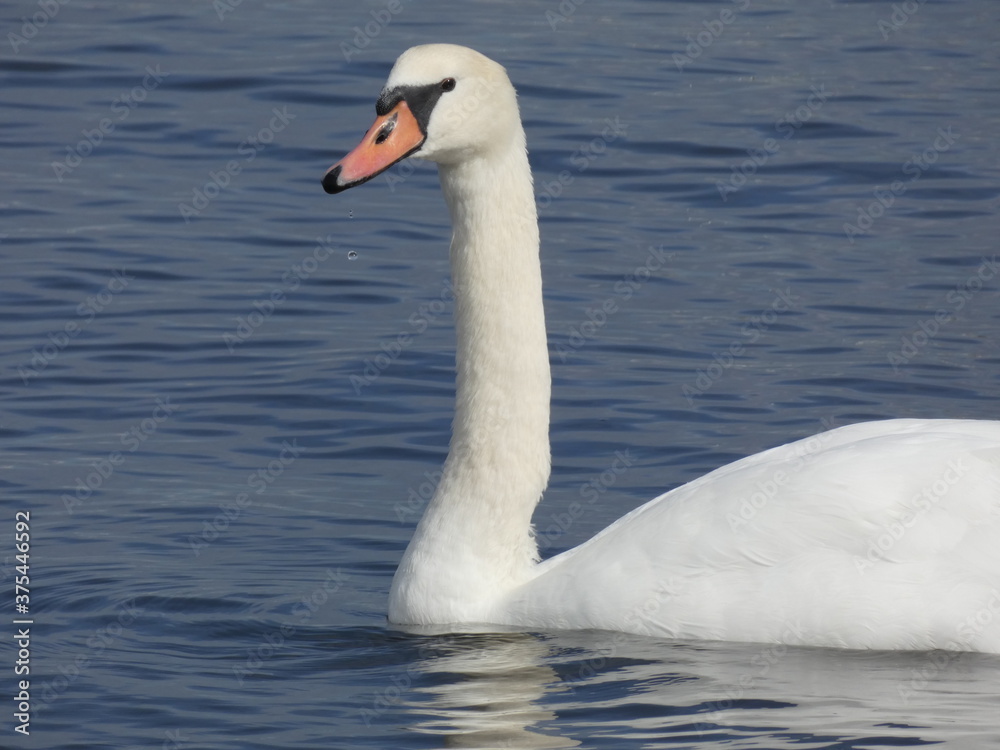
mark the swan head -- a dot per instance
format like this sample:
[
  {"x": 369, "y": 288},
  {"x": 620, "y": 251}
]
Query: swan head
[{"x": 441, "y": 102}]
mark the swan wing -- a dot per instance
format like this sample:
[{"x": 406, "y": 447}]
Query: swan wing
[{"x": 874, "y": 535}]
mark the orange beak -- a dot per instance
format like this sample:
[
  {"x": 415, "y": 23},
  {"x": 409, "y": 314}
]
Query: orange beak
[{"x": 394, "y": 136}]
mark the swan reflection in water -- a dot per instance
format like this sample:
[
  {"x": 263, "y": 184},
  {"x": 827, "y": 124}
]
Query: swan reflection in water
[
  {"x": 487, "y": 691},
  {"x": 563, "y": 690}
]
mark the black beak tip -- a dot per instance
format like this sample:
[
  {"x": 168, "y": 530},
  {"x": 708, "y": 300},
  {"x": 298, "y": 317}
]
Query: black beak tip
[{"x": 330, "y": 182}]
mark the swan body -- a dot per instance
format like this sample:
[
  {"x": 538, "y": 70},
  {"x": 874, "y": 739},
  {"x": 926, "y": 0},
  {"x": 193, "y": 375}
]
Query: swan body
[{"x": 876, "y": 535}]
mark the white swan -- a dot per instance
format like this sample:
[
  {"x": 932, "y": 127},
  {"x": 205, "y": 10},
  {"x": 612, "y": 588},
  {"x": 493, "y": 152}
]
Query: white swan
[{"x": 879, "y": 535}]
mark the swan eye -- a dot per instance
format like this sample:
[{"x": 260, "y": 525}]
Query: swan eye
[{"x": 448, "y": 84}]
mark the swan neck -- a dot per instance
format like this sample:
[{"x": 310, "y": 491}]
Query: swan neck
[
  {"x": 503, "y": 379},
  {"x": 475, "y": 540}
]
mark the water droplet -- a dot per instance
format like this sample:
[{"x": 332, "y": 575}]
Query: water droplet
[
  {"x": 350, "y": 214},
  {"x": 352, "y": 254}
]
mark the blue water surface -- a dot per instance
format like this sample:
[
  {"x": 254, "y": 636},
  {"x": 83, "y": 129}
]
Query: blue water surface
[{"x": 225, "y": 394}]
